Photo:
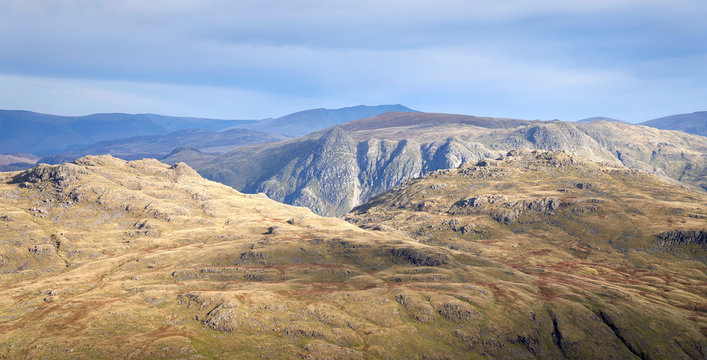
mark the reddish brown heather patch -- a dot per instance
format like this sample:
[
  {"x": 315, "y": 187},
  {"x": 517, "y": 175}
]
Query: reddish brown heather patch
[
  {"x": 565, "y": 266},
  {"x": 169, "y": 330},
  {"x": 283, "y": 267},
  {"x": 546, "y": 294},
  {"x": 322, "y": 288},
  {"x": 693, "y": 306},
  {"x": 79, "y": 310},
  {"x": 30, "y": 318},
  {"x": 142, "y": 341},
  {"x": 488, "y": 242},
  {"x": 500, "y": 294},
  {"x": 541, "y": 252}
]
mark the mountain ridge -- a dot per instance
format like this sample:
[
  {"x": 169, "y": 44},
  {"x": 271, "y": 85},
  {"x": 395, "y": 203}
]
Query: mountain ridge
[
  {"x": 38, "y": 133},
  {"x": 381, "y": 156},
  {"x": 693, "y": 123},
  {"x": 158, "y": 146},
  {"x": 139, "y": 259},
  {"x": 304, "y": 122}
]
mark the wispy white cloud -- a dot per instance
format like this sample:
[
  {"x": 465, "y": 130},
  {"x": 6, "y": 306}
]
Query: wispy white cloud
[
  {"x": 521, "y": 58},
  {"x": 64, "y": 96}
]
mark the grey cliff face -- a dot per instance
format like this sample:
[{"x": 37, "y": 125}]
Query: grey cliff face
[
  {"x": 335, "y": 170},
  {"x": 340, "y": 173},
  {"x": 325, "y": 180}
]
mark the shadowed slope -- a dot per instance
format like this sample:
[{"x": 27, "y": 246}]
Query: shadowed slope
[
  {"x": 158, "y": 146},
  {"x": 31, "y": 132}
]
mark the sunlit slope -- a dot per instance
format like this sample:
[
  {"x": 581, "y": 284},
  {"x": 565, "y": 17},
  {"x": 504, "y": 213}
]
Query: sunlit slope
[
  {"x": 111, "y": 259},
  {"x": 610, "y": 253}
]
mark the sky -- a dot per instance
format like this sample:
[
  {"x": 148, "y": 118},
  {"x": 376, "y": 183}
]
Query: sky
[{"x": 633, "y": 60}]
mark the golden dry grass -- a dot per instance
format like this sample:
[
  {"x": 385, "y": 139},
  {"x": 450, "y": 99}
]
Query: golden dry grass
[{"x": 113, "y": 259}]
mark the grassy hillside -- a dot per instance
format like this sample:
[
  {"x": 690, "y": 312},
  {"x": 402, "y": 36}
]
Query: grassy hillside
[
  {"x": 604, "y": 249},
  {"x": 104, "y": 258}
]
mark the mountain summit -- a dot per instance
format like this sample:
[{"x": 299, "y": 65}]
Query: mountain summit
[
  {"x": 694, "y": 123},
  {"x": 307, "y": 121}
]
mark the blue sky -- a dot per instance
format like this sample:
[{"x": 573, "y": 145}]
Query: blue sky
[{"x": 535, "y": 59}]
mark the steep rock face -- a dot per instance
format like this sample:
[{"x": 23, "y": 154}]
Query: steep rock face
[
  {"x": 452, "y": 152},
  {"x": 325, "y": 180},
  {"x": 385, "y": 164},
  {"x": 389, "y": 149},
  {"x": 669, "y": 153},
  {"x": 337, "y": 173}
]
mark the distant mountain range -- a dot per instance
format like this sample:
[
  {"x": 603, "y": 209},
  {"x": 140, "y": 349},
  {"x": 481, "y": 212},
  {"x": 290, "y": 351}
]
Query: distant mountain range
[
  {"x": 358, "y": 156},
  {"x": 12, "y": 162},
  {"x": 158, "y": 146},
  {"x": 305, "y": 122},
  {"x": 75, "y": 136},
  {"x": 694, "y": 123},
  {"x": 35, "y": 133}
]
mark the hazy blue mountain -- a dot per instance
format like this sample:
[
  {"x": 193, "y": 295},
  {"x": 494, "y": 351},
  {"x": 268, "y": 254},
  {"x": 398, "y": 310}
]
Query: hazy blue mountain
[
  {"x": 307, "y": 121},
  {"x": 600, "y": 118},
  {"x": 45, "y": 134},
  {"x": 158, "y": 146},
  {"x": 694, "y": 123},
  {"x": 30, "y": 132},
  {"x": 16, "y": 161}
]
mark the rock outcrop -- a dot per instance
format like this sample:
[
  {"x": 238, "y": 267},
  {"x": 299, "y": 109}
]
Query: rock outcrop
[
  {"x": 368, "y": 157},
  {"x": 682, "y": 237}
]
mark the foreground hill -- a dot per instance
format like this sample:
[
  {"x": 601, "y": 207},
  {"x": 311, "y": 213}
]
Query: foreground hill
[
  {"x": 104, "y": 258},
  {"x": 694, "y": 123},
  {"x": 605, "y": 250},
  {"x": 114, "y": 259},
  {"x": 30, "y": 132},
  {"x": 336, "y": 169}
]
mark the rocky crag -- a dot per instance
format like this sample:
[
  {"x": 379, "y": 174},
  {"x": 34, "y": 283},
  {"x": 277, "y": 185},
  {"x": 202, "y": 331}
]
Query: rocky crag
[
  {"x": 115, "y": 259},
  {"x": 576, "y": 229},
  {"x": 370, "y": 156}
]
